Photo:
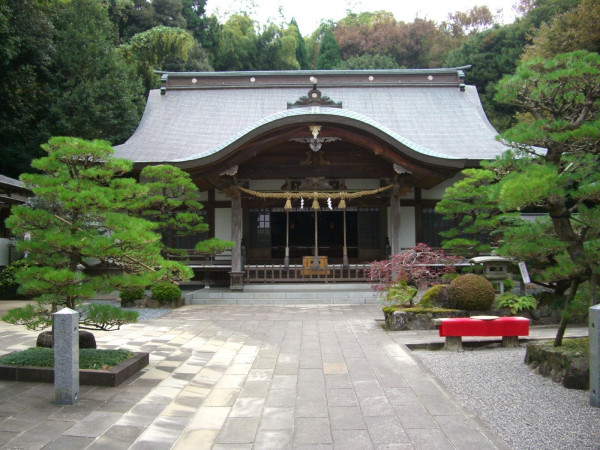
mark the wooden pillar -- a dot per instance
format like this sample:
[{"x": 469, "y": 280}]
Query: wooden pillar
[
  {"x": 286, "y": 258},
  {"x": 345, "y": 251},
  {"x": 237, "y": 269},
  {"x": 395, "y": 219},
  {"x": 315, "y": 265}
]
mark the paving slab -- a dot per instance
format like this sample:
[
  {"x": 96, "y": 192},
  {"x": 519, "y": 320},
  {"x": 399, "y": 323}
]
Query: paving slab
[{"x": 276, "y": 376}]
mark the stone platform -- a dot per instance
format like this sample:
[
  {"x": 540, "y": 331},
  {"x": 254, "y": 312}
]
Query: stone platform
[{"x": 287, "y": 294}]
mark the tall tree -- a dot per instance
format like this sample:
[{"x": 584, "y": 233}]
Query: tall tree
[
  {"x": 149, "y": 50},
  {"x": 575, "y": 29},
  {"x": 141, "y": 18},
  {"x": 169, "y": 13},
  {"x": 554, "y": 168},
  {"x": 329, "y": 52},
  {"x": 119, "y": 12},
  {"x": 193, "y": 12},
  {"x": 366, "y": 61},
  {"x": 95, "y": 95},
  {"x": 237, "y": 47},
  {"x": 495, "y": 52},
  {"x": 478, "y": 18},
  {"x": 26, "y": 52},
  {"x": 301, "y": 55},
  {"x": 77, "y": 219}
]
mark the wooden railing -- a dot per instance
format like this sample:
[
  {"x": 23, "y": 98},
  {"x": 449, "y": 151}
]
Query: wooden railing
[{"x": 278, "y": 273}]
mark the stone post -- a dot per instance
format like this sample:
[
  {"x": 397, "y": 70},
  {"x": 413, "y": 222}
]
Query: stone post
[
  {"x": 66, "y": 356},
  {"x": 594, "y": 332}
]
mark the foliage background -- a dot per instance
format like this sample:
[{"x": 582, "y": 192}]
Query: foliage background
[{"x": 83, "y": 67}]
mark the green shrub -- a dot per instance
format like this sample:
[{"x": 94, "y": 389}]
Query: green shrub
[
  {"x": 105, "y": 317},
  {"x": 400, "y": 294},
  {"x": 449, "y": 277},
  {"x": 214, "y": 246},
  {"x": 509, "y": 284},
  {"x": 430, "y": 297},
  {"x": 517, "y": 304},
  {"x": 8, "y": 276},
  {"x": 89, "y": 358},
  {"x": 165, "y": 291},
  {"x": 549, "y": 298},
  {"x": 131, "y": 293},
  {"x": 471, "y": 292}
]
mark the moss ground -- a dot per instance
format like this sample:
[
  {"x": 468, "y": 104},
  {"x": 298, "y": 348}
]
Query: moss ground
[{"x": 89, "y": 358}]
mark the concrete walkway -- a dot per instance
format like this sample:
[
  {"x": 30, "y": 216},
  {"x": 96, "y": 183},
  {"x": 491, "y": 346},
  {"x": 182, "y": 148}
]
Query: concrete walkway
[{"x": 318, "y": 376}]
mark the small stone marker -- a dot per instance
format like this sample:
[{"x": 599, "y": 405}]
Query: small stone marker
[
  {"x": 66, "y": 356},
  {"x": 594, "y": 332}
]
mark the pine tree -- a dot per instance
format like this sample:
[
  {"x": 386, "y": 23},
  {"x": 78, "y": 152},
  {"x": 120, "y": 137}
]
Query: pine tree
[
  {"x": 553, "y": 168},
  {"x": 172, "y": 203},
  {"x": 329, "y": 52},
  {"x": 77, "y": 220}
]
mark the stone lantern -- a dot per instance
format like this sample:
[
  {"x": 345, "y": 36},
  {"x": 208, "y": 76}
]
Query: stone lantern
[{"x": 495, "y": 270}]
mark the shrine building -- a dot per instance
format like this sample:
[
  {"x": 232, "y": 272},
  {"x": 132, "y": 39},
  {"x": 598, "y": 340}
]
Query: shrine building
[{"x": 309, "y": 172}]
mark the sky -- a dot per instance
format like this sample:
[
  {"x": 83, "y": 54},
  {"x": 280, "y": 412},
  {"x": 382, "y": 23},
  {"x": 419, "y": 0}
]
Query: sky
[{"x": 309, "y": 13}]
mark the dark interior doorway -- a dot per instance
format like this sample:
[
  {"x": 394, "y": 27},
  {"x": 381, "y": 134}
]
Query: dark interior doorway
[{"x": 302, "y": 234}]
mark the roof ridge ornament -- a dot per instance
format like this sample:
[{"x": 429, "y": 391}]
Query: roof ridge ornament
[{"x": 314, "y": 98}]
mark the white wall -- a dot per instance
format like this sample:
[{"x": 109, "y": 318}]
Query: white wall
[
  {"x": 220, "y": 196},
  {"x": 266, "y": 185},
  {"x": 407, "y": 226},
  {"x": 437, "y": 192},
  {"x": 223, "y": 223},
  {"x": 363, "y": 184},
  {"x": 4, "y": 251}
]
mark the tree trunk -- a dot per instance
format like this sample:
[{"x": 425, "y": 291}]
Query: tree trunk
[{"x": 564, "y": 320}]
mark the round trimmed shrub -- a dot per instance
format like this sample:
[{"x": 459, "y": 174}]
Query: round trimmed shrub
[
  {"x": 130, "y": 293},
  {"x": 471, "y": 292},
  {"x": 165, "y": 291}
]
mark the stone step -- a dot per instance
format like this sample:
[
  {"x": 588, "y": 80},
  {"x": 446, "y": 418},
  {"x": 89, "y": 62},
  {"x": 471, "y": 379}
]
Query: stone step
[
  {"x": 312, "y": 287},
  {"x": 339, "y": 293}
]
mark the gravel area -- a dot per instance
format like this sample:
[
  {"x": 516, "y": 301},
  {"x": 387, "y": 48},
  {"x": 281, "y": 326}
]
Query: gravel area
[
  {"x": 144, "y": 313},
  {"x": 527, "y": 410}
]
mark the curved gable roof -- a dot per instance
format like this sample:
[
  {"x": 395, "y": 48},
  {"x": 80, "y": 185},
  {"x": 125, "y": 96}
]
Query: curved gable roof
[{"x": 431, "y": 117}]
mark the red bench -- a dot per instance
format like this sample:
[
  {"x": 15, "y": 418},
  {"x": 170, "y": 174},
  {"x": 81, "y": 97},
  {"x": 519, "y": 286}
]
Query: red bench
[{"x": 510, "y": 328}]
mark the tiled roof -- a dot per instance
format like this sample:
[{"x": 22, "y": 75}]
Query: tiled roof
[
  {"x": 6, "y": 181},
  {"x": 195, "y": 124}
]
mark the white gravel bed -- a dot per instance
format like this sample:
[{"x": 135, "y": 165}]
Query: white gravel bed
[
  {"x": 144, "y": 313},
  {"x": 525, "y": 409}
]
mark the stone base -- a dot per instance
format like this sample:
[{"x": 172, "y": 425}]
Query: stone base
[
  {"x": 408, "y": 320},
  {"x": 237, "y": 281},
  {"x": 572, "y": 372},
  {"x": 453, "y": 343},
  {"x": 46, "y": 339},
  {"x": 510, "y": 341}
]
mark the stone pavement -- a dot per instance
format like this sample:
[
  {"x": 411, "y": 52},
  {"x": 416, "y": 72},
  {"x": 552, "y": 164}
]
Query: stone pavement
[{"x": 311, "y": 376}]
